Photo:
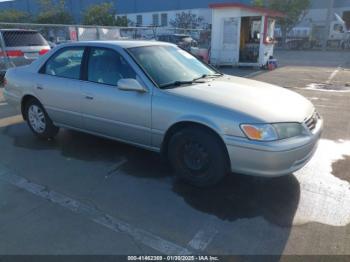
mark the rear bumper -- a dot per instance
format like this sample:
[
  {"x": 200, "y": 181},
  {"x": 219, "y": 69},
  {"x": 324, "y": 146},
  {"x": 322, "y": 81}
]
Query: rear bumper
[{"x": 272, "y": 159}]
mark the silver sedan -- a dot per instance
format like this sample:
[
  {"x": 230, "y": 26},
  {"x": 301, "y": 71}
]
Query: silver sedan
[{"x": 157, "y": 96}]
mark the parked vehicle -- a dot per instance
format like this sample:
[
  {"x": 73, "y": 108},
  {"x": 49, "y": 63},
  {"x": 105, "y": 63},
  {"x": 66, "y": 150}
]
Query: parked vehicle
[
  {"x": 181, "y": 40},
  {"x": 313, "y": 36},
  {"x": 20, "y": 47},
  {"x": 157, "y": 96}
]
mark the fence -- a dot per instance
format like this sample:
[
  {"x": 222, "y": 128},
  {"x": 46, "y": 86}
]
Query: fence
[{"x": 57, "y": 34}]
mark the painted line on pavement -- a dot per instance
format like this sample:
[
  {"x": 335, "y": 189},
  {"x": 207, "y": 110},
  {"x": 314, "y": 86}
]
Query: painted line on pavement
[
  {"x": 7, "y": 121},
  {"x": 146, "y": 238},
  {"x": 253, "y": 74},
  {"x": 331, "y": 77},
  {"x": 202, "y": 239},
  {"x": 116, "y": 167}
]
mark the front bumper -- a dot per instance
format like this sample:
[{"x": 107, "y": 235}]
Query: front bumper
[{"x": 272, "y": 159}]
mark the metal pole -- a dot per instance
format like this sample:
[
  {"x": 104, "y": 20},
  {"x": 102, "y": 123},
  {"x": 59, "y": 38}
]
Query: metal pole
[{"x": 328, "y": 24}]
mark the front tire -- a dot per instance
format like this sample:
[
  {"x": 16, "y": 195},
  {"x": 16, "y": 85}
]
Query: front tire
[
  {"x": 198, "y": 157},
  {"x": 39, "y": 121}
]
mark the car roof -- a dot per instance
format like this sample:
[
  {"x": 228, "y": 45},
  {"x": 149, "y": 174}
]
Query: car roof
[{"x": 119, "y": 43}]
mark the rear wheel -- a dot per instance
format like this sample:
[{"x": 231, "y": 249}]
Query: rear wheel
[
  {"x": 197, "y": 157},
  {"x": 38, "y": 120}
]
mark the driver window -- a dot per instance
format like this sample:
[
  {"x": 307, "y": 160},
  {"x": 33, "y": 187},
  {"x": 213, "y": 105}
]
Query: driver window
[
  {"x": 106, "y": 66},
  {"x": 66, "y": 64}
]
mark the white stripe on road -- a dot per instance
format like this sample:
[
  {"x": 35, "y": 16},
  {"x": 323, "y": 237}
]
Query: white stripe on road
[
  {"x": 7, "y": 121},
  {"x": 331, "y": 77},
  {"x": 103, "y": 219},
  {"x": 116, "y": 167},
  {"x": 202, "y": 239},
  {"x": 253, "y": 74}
]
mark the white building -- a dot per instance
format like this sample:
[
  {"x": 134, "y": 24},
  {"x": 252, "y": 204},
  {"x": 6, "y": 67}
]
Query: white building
[
  {"x": 317, "y": 15},
  {"x": 164, "y": 18}
]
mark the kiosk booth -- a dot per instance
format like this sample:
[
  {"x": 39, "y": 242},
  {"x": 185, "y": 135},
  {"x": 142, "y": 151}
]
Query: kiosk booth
[{"x": 242, "y": 35}]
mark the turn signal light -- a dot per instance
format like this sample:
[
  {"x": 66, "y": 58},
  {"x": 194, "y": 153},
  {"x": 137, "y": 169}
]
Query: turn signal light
[{"x": 252, "y": 132}]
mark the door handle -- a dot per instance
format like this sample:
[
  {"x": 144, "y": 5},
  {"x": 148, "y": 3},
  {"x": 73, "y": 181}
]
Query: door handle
[
  {"x": 89, "y": 97},
  {"x": 39, "y": 87}
]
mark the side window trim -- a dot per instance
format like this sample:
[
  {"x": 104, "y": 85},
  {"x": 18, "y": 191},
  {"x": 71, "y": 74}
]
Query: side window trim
[
  {"x": 86, "y": 65},
  {"x": 57, "y": 53}
]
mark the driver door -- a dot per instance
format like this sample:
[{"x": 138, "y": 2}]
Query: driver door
[{"x": 109, "y": 111}]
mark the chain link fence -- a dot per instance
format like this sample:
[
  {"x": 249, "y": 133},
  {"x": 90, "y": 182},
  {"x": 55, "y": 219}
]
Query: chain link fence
[{"x": 20, "y": 43}]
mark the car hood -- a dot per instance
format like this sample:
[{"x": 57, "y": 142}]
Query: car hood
[{"x": 260, "y": 101}]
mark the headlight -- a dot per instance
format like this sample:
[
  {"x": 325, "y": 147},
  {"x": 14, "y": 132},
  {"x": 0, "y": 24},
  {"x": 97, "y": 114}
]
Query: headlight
[
  {"x": 287, "y": 130},
  {"x": 271, "y": 132},
  {"x": 260, "y": 132}
]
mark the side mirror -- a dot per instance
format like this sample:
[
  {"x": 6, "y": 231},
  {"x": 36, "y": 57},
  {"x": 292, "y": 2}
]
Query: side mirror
[{"x": 130, "y": 84}]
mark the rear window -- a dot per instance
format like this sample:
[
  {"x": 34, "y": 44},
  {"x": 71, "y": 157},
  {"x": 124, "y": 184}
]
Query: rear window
[{"x": 19, "y": 38}]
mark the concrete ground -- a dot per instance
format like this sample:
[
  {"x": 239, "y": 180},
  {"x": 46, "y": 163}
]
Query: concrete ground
[{"x": 81, "y": 194}]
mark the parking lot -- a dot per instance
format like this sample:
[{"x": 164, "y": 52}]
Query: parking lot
[{"x": 80, "y": 194}]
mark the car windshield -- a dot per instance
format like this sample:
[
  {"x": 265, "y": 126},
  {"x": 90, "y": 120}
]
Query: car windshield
[{"x": 170, "y": 65}]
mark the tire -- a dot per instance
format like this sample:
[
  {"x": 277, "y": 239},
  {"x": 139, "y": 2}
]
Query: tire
[
  {"x": 39, "y": 121},
  {"x": 198, "y": 157}
]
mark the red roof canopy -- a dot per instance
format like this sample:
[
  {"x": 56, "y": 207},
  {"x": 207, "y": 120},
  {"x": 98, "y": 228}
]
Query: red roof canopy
[{"x": 262, "y": 10}]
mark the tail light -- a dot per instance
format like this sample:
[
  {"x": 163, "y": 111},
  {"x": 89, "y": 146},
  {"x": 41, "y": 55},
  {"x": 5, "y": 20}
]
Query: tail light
[
  {"x": 14, "y": 53},
  {"x": 43, "y": 51},
  {"x": 4, "y": 81}
]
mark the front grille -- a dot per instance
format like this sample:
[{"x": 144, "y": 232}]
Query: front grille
[{"x": 312, "y": 121}]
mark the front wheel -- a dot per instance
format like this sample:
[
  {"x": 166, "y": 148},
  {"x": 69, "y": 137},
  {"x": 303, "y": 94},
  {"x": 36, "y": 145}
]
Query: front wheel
[
  {"x": 39, "y": 121},
  {"x": 198, "y": 157}
]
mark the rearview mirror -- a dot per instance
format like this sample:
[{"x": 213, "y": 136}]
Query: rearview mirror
[{"x": 130, "y": 84}]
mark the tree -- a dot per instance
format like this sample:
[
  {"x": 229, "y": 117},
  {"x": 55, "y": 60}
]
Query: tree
[
  {"x": 295, "y": 11},
  {"x": 14, "y": 16},
  {"x": 52, "y": 12},
  {"x": 103, "y": 14},
  {"x": 259, "y": 3},
  {"x": 186, "y": 20}
]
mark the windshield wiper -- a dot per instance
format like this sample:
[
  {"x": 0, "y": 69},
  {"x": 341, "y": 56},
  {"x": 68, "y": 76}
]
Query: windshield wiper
[
  {"x": 207, "y": 76},
  {"x": 180, "y": 83},
  {"x": 195, "y": 80}
]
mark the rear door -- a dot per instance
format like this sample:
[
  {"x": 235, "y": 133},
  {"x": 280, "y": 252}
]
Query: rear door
[{"x": 58, "y": 86}]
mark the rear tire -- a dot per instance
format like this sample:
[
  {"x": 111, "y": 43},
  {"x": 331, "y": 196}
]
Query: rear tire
[
  {"x": 198, "y": 157},
  {"x": 39, "y": 121}
]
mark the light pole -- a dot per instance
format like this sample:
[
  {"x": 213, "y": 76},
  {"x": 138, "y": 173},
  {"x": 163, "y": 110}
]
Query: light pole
[{"x": 328, "y": 24}]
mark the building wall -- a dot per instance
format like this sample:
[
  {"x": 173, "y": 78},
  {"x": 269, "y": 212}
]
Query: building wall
[
  {"x": 132, "y": 7},
  {"x": 147, "y": 17}
]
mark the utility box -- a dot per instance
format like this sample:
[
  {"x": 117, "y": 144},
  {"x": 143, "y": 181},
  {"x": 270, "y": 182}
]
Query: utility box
[{"x": 242, "y": 35}]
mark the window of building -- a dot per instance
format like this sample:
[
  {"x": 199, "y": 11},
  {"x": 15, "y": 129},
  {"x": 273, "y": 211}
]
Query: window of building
[
  {"x": 139, "y": 20},
  {"x": 155, "y": 19},
  {"x": 164, "y": 19}
]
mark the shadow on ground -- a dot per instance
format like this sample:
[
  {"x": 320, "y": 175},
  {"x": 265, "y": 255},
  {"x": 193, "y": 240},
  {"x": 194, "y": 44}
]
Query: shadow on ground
[
  {"x": 85, "y": 147},
  {"x": 237, "y": 197}
]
